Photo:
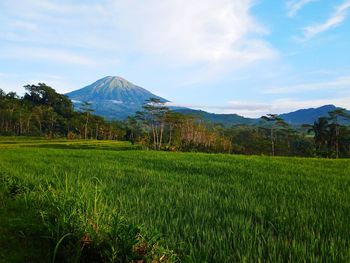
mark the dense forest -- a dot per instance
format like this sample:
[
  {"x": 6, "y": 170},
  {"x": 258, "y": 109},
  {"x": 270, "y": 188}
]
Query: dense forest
[{"x": 44, "y": 112}]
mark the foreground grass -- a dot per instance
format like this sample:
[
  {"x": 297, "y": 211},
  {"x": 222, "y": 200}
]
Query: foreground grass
[
  {"x": 21, "y": 234},
  {"x": 208, "y": 208}
]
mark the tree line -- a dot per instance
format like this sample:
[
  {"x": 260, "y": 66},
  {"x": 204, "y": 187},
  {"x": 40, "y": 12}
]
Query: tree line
[
  {"x": 44, "y": 112},
  {"x": 160, "y": 128}
]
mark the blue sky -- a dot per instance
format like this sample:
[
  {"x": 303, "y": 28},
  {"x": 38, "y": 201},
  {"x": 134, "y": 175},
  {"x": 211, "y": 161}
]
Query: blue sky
[{"x": 226, "y": 56}]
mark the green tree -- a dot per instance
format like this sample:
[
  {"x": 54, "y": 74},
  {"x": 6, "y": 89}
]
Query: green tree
[
  {"x": 2, "y": 94},
  {"x": 320, "y": 128},
  {"x": 42, "y": 94},
  {"x": 276, "y": 122},
  {"x": 335, "y": 117},
  {"x": 154, "y": 116}
]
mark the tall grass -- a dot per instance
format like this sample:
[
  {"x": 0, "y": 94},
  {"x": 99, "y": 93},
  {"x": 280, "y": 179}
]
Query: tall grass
[
  {"x": 207, "y": 207},
  {"x": 80, "y": 224}
]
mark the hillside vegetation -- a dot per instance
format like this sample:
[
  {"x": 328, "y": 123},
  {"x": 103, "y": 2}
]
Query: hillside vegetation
[{"x": 65, "y": 203}]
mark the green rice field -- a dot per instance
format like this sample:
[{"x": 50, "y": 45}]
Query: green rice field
[{"x": 192, "y": 207}]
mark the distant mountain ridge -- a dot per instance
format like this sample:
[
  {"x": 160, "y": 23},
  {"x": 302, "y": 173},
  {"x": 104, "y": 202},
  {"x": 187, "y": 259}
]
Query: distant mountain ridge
[
  {"x": 116, "y": 98},
  {"x": 307, "y": 116},
  {"x": 225, "y": 119}
]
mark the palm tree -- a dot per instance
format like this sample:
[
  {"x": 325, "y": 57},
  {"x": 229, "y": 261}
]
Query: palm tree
[{"x": 320, "y": 129}]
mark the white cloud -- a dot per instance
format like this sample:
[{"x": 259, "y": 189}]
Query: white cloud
[
  {"x": 251, "y": 109},
  {"x": 247, "y": 109},
  {"x": 231, "y": 105},
  {"x": 288, "y": 105},
  {"x": 295, "y": 5},
  {"x": 183, "y": 32},
  {"x": 336, "y": 19},
  {"x": 340, "y": 83},
  {"x": 189, "y": 31},
  {"x": 285, "y": 105},
  {"x": 48, "y": 54},
  {"x": 256, "y": 109}
]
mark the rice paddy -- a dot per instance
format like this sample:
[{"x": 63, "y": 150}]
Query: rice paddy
[{"x": 191, "y": 207}]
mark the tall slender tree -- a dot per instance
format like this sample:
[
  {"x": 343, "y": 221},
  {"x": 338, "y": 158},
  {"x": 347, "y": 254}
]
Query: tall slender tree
[
  {"x": 335, "y": 117},
  {"x": 276, "y": 122},
  {"x": 86, "y": 108},
  {"x": 154, "y": 116}
]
